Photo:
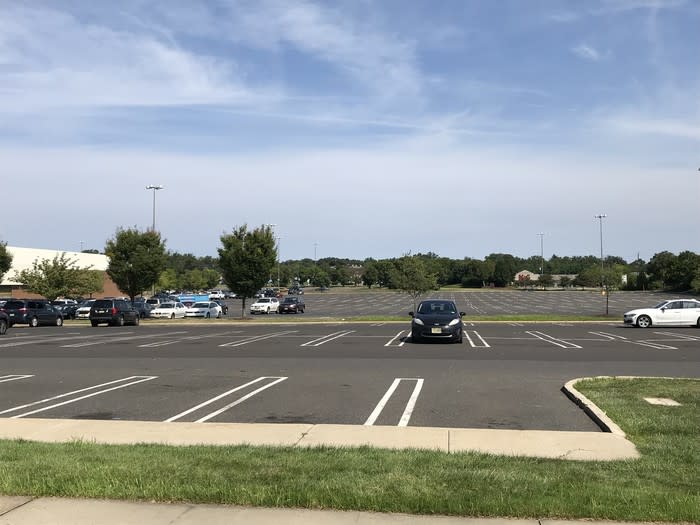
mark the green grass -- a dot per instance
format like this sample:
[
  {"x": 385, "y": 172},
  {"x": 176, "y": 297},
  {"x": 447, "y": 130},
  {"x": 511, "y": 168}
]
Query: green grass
[{"x": 664, "y": 485}]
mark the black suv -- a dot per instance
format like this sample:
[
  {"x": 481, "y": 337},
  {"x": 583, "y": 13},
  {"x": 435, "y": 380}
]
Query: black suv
[
  {"x": 292, "y": 305},
  {"x": 32, "y": 312},
  {"x": 116, "y": 312}
]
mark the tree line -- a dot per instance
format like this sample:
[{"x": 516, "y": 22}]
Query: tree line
[{"x": 247, "y": 261}]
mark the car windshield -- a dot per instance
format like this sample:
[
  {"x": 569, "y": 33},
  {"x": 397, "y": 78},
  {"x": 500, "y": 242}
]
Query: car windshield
[
  {"x": 290, "y": 300},
  {"x": 437, "y": 307},
  {"x": 264, "y": 301},
  {"x": 661, "y": 304},
  {"x": 200, "y": 305},
  {"x": 167, "y": 305}
]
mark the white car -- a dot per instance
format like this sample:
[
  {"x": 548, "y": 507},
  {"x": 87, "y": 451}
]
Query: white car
[
  {"x": 169, "y": 311},
  {"x": 204, "y": 309},
  {"x": 265, "y": 305},
  {"x": 83, "y": 311},
  {"x": 216, "y": 294},
  {"x": 676, "y": 312}
]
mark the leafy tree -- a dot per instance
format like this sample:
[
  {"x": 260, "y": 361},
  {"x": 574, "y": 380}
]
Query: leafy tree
[
  {"x": 168, "y": 280},
  {"x": 60, "y": 277},
  {"x": 504, "y": 270},
  {"x": 321, "y": 278},
  {"x": 411, "y": 277},
  {"x": 565, "y": 281},
  {"x": 370, "y": 275},
  {"x": 136, "y": 260},
  {"x": 5, "y": 260},
  {"x": 246, "y": 259},
  {"x": 210, "y": 278},
  {"x": 546, "y": 280}
]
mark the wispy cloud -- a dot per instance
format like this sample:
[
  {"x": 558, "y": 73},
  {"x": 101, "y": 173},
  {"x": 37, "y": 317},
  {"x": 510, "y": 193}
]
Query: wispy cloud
[{"x": 587, "y": 52}]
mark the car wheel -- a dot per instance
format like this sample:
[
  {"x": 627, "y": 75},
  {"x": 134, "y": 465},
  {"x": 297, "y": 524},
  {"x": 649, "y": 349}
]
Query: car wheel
[
  {"x": 415, "y": 338},
  {"x": 643, "y": 321},
  {"x": 698, "y": 323},
  {"x": 137, "y": 320},
  {"x": 207, "y": 316},
  {"x": 120, "y": 321},
  {"x": 34, "y": 322},
  {"x": 93, "y": 323},
  {"x": 59, "y": 321},
  {"x": 267, "y": 311},
  {"x": 172, "y": 315},
  {"x": 3, "y": 327},
  {"x": 142, "y": 315},
  {"x": 218, "y": 316}
]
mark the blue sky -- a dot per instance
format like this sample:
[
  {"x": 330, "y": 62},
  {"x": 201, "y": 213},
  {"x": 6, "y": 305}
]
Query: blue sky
[{"x": 371, "y": 128}]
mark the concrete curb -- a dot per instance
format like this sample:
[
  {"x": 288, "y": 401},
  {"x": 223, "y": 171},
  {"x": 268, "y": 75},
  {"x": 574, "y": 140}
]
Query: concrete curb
[{"x": 590, "y": 408}]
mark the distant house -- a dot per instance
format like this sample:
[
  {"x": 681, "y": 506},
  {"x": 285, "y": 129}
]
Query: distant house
[
  {"x": 23, "y": 259},
  {"x": 524, "y": 276}
]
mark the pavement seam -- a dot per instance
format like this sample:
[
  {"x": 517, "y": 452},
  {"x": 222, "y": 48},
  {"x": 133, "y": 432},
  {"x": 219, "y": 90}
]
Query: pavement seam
[{"x": 31, "y": 498}]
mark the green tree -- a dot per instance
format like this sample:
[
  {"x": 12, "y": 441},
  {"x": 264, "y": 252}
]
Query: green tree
[
  {"x": 168, "y": 280},
  {"x": 60, "y": 277},
  {"x": 211, "y": 278},
  {"x": 246, "y": 259},
  {"x": 545, "y": 280},
  {"x": 5, "y": 260},
  {"x": 565, "y": 281},
  {"x": 136, "y": 260},
  {"x": 370, "y": 275},
  {"x": 411, "y": 277}
]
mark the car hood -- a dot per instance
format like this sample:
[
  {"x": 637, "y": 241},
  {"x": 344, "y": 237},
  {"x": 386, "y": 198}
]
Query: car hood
[
  {"x": 639, "y": 311},
  {"x": 439, "y": 319}
]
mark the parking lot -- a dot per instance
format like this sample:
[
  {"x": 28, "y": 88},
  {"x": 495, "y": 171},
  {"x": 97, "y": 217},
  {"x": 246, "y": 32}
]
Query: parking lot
[
  {"x": 505, "y": 375},
  {"x": 361, "y": 302}
]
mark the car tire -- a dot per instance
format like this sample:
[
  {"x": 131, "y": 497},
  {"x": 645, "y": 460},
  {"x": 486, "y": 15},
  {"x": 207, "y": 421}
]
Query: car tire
[
  {"x": 218, "y": 315},
  {"x": 137, "y": 320},
  {"x": 172, "y": 315},
  {"x": 415, "y": 338},
  {"x": 94, "y": 323},
  {"x": 59, "y": 321},
  {"x": 34, "y": 322},
  {"x": 142, "y": 315},
  {"x": 643, "y": 321},
  {"x": 3, "y": 327},
  {"x": 120, "y": 320},
  {"x": 697, "y": 325}
]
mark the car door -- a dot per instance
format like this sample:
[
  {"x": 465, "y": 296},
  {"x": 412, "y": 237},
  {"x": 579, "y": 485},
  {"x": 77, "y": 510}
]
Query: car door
[
  {"x": 671, "y": 314},
  {"x": 691, "y": 312}
]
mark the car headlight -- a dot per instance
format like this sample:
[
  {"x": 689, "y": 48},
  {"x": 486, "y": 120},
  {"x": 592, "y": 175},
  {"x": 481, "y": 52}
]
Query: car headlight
[
  {"x": 418, "y": 321},
  {"x": 454, "y": 322}
]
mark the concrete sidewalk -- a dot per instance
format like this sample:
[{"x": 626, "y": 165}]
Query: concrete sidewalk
[{"x": 58, "y": 511}]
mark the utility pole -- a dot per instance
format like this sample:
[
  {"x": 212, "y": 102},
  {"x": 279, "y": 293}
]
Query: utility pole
[
  {"x": 541, "y": 252},
  {"x": 600, "y": 217},
  {"x": 155, "y": 188}
]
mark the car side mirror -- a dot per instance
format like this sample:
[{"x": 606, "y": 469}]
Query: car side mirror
[
  {"x": 411, "y": 314},
  {"x": 462, "y": 314}
]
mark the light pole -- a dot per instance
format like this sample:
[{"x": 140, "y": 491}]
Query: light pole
[
  {"x": 278, "y": 262},
  {"x": 541, "y": 252},
  {"x": 272, "y": 227},
  {"x": 600, "y": 217},
  {"x": 154, "y": 188}
]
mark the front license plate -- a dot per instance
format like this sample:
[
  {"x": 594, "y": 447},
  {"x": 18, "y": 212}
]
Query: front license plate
[{"x": 436, "y": 330}]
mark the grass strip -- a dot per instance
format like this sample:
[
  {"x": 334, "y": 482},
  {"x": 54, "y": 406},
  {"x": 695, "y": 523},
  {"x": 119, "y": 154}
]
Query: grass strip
[{"x": 664, "y": 485}]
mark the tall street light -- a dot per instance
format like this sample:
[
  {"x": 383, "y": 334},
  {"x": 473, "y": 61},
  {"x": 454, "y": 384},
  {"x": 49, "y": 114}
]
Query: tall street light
[
  {"x": 154, "y": 188},
  {"x": 272, "y": 227},
  {"x": 600, "y": 217},
  {"x": 541, "y": 252}
]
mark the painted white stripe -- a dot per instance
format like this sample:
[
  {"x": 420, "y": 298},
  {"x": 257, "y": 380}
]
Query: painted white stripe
[
  {"x": 411, "y": 404},
  {"x": 214, "y": 399},
  {"x": 166, "y": 342},
  {"x": 609, "y": 337},
  {"x": 240, "y": 400},
  {"x": 44, "y": 340},
  {"x": 649, "y": 344},
  {"x": 476, "y": 334},
  {"x": 44, "y": 409},
  {"x": 5, "y": 379},
  {"x": 550, "y": 339},
  {"x": 68, "y": 394},
  {"x": 256, "y": 338},
  {"x": 395, "y": 338},
  {"x": 326, "y": 338},
  {"x": 407, "y": 413},
  {"x": 680, "y": 336},
  {"x": 114, "y": 340}
]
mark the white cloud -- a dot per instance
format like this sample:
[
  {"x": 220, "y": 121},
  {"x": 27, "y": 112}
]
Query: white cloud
[{"x": 587, "y": 52}]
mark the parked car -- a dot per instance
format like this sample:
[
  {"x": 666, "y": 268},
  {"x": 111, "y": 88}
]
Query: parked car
[
  {"x": 68, "y": 310},
  {"x": 169, "y": 311},
  {"x": 63, "y": 302},
  {"x": 216, "y": 294},
  {"x": 292, "y": 305},
  {"x": 33, "y": 312},
  {"x": 4, "y": 323},
  {"x": 143, "y": 308},
  {"x": 675, "y": 312},
  {"x": 114, "y": 312},
  {"x": 224, "y": 307},
  {"x": 83, "y": 310},
  {"x": 205, "y": 309},
  {"x": 295, "y": 290},
  {"x": 229, "y": 295},
  {"x": 265, "y": 305},
  {"x": 436, "y": 319}
]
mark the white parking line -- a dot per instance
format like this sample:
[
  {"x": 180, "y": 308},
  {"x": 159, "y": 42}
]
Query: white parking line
[
  {"x": 166, "y": 342},
  {"x": 15, "y": 377},
  {"x": 327, "y": 338},
  {"x": 221, "y": 396},
  {"x": 43, "y": 340},
  {"x": 139, "y": 379},
  {"x": 114, "y": 340},
  {"x": 397, "y": 336},
  {"x": 649, "y": 344},
  {"x": 256, "y": 338},
  {"x": 476, "y": 335},
  {"x": 408, "y": 412},
  {"x": 555, "y": 341},
  {"x": 680, "y": 336}
]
